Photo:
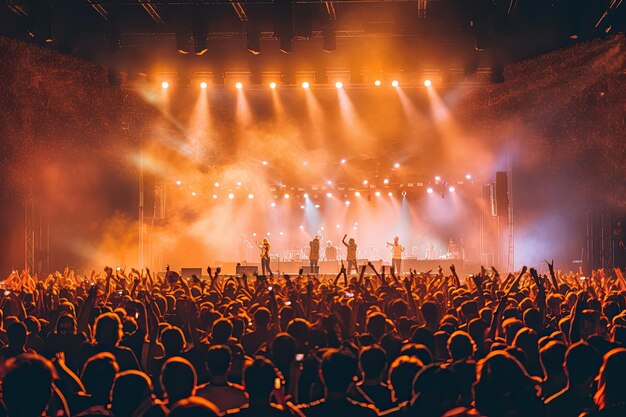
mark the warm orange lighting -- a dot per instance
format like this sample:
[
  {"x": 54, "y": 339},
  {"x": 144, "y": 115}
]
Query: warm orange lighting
[
  {"x": 286, "y": 196},
  {"x": 239, "y": 85},
  {"x": 377, "y": 83},
  {"x": 339, "y": 84},
  {"x": 395, "y": 83},
  {"x": 272, "y": 85},
  {"x": 377, "y": 193},
  {"x": 357, "y": 194},
  {"x": 165, "y": 84},
  {"x": 203, "y": 85},
  {"x": 428, "y": 83},
  {"x": 306, "y": 84}
]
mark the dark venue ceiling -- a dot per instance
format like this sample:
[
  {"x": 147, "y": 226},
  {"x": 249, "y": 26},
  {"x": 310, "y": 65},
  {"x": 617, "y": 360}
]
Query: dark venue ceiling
[{"x": 364, "y": 38}]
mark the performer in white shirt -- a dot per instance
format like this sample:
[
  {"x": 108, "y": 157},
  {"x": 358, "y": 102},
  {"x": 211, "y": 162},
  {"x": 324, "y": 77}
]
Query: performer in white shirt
[{"x": 396, "y": 254}]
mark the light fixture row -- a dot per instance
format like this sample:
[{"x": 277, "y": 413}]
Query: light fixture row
[{"x": 305, "y": 84}]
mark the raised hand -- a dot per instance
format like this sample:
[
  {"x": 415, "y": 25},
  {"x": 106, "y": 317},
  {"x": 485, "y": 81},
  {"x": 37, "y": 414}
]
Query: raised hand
[{"x": 550, "y": 266}]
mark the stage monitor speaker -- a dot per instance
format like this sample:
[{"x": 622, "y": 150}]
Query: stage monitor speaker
[
  {"x": 188, "y": 272},
  {"x": 502, "y": 194},
  {"x": 306, "y": 269},
  {"x": 247, "y": 269}
]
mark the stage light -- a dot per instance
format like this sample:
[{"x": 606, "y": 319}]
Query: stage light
[
  {"x": 429, "y": 190},
  {"x": 386, "y": 181},
  {"x": 273, "y": 205},
  {"x": 329, "y": 195},
  {"x": 437, "y": 178},
  {"x": 286, "y": 196},
  {"x": 306, "y": 84},
  {"x": 214, "y": 196},
  {"x": 365, "y": 182},
  {"x": 427, "y": 83},
  {"x": 301, "y": 206},
  {"x": 390, "y": 194},
  {"x": 396, "y": 165},
  {"x": 272, "y": 85},
  {"x": 347, "y": 202},
  {"x": 238, "y": 183},
  {"x": 264, "y": 162},
  {"x": 339, "y": 84},
  {"x": 238, "y": 85},
  {"x": 377, "y": 83},
  {"x": 317, "y": 206},
  {"x": 322, "y": 228},
  {"x": 403, "y": 193},
  {"x": 165, "y": 84},
  {"x": 179, "y": 182},
  {"x": 329, "y": 182},
  {"x": 452, "y": 189},
  {"x": 305, "y": 195},
  {"x": 193, "y": 193},
  {"x": 281, "y": 233},
  {"x": 301, "y": 227},
  {"x": 268, "y": 233},
  {"x": 231, "y": 196},
  {"x": 357, "y": 194},
  {"x": 216, "y": 184},
  {"x": 395, "y": 83},
  {"x": 254, "y": 234},
  {"x": 250, "y": 196},
  {"x": 468, "y": 176},
  {"x": 354, "y": 227},
  {"x": 343, "y": 161},
  {"x": 377, "y": 193},
  {"x": 203, "y": 85},
  {"x": 305, "y": 163},
  {"x": 338, "y": 226}
]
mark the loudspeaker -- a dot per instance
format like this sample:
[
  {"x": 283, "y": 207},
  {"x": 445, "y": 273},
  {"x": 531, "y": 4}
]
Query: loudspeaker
[
  {"x": 306, "y": 269},
  {"x": 247, "y": 269},
  {"x": 502, "y": 194},
  {"x": 188, "y": 272}
]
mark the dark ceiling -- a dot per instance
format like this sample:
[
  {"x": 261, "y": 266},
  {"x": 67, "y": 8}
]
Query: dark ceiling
[{"x": 355, "y": 36}]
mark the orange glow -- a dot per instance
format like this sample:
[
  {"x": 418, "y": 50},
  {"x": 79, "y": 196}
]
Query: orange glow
[
  {"x": 238, "y": 85},
  {"x": 203, "y": 85},
  {"x": 306, "y": 84},
  {"x": 395, "y": 83},
  {"x": 165, "y": 84}
]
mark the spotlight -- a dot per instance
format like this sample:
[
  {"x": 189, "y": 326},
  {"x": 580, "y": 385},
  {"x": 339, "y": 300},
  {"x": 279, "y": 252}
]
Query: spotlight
[
  {"x": 305, "y": 195},
  {"x": 238, "y": 183},
  {"x": 329, "y": 182},
  {"x": 179, "y": 182},
  {"x": 306, "y": 84},
  {"x": 214, "y": 196},
  {"x": 390, "y": 194},
  {"x": 264, "y": 163},
  {"x": 193, "y": 193},
  {"x": 386, "y": 181},
  {"x": 396, "y": 165},
  {"x": 403, "y": 193},
  {"x": 216, "y": 184},
  {"x": 437, "y": 178},
  {"x": 165, "y": 84},
  {"x": 317, "y": 206},
  {"x": 395, "y": 83},
  {"x": 268, "y": 233},
  {"x": 305, "y": 163},
  {"x": 468, "y": 176},
  {"x": 377, "y": 83},
  {"x": 329, "y": 195},
  {"x": 254, "y": 234},
  {"x": 272, "y": 85},
  {"x": 338, "y": 226},
  {"x": 347, "y": 203},
  {"x": 203, "y": 85},
  {"x": 357, "y": 194},
  {"x": 365, "y": 182},
  {"x": 231, "y": 196},
  {"x": 429, "y": 190},
  {"x": 250, "y": 196},
  {"x": 238, "y": 85},
  {"x": 339, "y": 84},
  {"x": 301, "y": 206},
  {"x": 452, "y": 189},
  {"x": 343, "y": 161},
  {"x": 377, "y": 193},
  {"x": 301, "y": 227},
  {"x": 273, "y": 205},
  {"x": 428, "y": 83},
  {"x": 286, "y": 196},
  {"x": 281, "y": 233},
  {"x": 354, "y": 227}
]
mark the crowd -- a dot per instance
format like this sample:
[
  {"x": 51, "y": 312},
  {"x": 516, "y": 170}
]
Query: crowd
[{"x": 427, "y": 344}]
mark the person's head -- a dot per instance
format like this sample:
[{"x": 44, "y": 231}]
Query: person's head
[
  {"x": 265, "y": 241},
  {"x": 553, "y": 357},
  {"x": 262, "y": 318},
  {"x": 194, "y": 407},
  {"x": 611, "y": 382},
  {"x": 436, "y": 391},
  {"x": 351, "y": 241},
  {"x": 376, "y": 325},
  {"x": 430, "y": 311},
  {"x": 222, "y": 330},
  {"x": 329, "y": 244},
  {"x": 299, "y": 329},
  {"x": 401, "y": 374},
  {"x": 16, "y": 333},
  {"x": 218, "y": 360},
  {"x": 283, "y": 350},
  {"x": 178, "y": 379},
  {"x": 373, "y": 361},
  {"x": 130, "y": 390},
  {"x": 66, "y": 325},
  {"x": 173, "y": 340},
  {"x": 98, "y": 375},
  {"x": 338, "y": 369},
  {"x": 395, "y": 239},
  {"x": 108, "y": 329},
  {"x": 460, "y": 346},
  {"x": 27, "y": 385},
  {"x": 258, "y": 379}
]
